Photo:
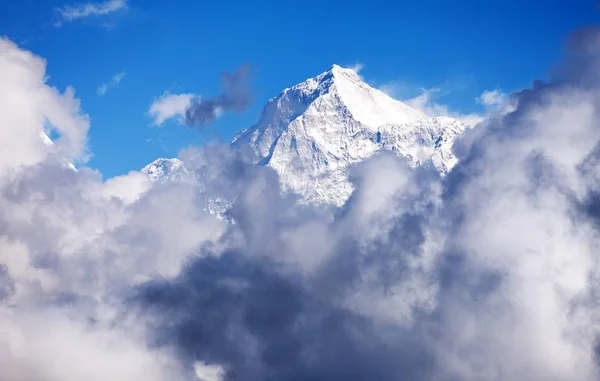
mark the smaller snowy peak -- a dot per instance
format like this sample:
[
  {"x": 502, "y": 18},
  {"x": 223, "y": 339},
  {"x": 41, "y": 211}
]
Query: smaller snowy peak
[
  {"x": 167, "y": 170},
  {"x": 173, "y": 171}
]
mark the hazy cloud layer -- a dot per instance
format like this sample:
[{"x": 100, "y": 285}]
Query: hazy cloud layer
[{"x": 488, "y": 274}]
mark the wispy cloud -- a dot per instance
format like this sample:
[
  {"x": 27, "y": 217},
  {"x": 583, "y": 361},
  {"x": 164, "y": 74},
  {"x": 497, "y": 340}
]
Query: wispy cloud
[
  {"x": 428, "y": 101},
  {"x": 114, "y": 82},
  {"x": 357, "y": 67},
  {"x": 69, "y": 13},
  {"x": 169, "y": 106},
  {"x": 396, "y": 89}
]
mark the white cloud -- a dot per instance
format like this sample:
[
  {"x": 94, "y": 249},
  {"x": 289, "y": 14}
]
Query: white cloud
[
  {"x": 169, "y": 106},
  {"x": 207, "y": 372},
  {"x": 75, "y": 340},
  {"x": 69, "y": 13},
  {"x": 114, "y": 82},
  {"x": 118, "y": 77},
  {"x": 492, "y": 98},
  {"x": 102, "y": 89},
  {"x": 357, "y": 67},
  {"x": 28, "y": 107}
]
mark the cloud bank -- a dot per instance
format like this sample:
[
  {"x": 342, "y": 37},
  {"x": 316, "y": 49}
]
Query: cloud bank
[{"x": 490, "y": 273}]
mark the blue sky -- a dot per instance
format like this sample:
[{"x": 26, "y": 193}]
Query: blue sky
[{"x": 140, "y": 49}]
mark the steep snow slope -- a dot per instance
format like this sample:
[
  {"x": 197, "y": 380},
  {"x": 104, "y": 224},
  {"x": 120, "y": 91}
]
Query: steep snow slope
[{"x": 313, "y": 131}]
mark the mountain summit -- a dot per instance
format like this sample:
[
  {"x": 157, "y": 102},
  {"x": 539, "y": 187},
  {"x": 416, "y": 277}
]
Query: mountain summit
[
  {"x": 337, "y": 92},
  {"x": 312, "y": 132}
]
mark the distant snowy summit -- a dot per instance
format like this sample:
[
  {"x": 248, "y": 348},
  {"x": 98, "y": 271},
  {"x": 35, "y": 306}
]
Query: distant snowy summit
[
  {"x": 310, "y": 134},
  {"x": 167, "y": 170}
]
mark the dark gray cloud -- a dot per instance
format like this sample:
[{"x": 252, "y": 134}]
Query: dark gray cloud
[
  {"x": 580, "y": 67},
  {"x": 236, "y": 96},
  {"x": 259, "y": 324}
]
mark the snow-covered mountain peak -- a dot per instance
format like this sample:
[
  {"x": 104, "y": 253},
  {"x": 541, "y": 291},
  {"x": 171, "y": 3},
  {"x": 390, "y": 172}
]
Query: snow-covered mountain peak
[
  {"x": 338, "y": 91},
  {"x": 337, "y": 73},
  {"x": 337, "y": 69},
  {"x": 311, "y": 132}
]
